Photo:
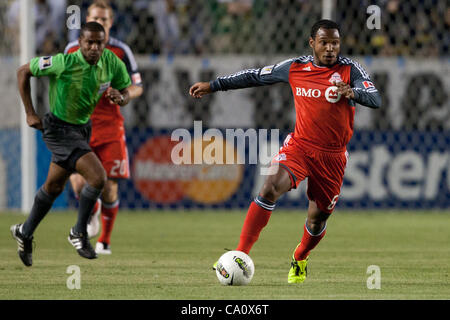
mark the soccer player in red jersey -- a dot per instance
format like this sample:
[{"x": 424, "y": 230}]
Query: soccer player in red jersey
[
  {"x": 326, "y": 87},
  {"x": 108, "y": 133}
]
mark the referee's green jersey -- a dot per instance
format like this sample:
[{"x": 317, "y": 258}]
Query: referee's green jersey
[{"x": 76, "y": 86}]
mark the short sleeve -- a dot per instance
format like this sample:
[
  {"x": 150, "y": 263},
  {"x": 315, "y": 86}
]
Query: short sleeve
[
  {"x": 121, "y": 78},
  {"x": 47, "y": 65}
]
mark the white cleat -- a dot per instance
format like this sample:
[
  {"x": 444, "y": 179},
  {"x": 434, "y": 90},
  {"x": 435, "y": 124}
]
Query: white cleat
[
  {"x": 102, "y": 248},
  {"x": 93, "y": 226}
]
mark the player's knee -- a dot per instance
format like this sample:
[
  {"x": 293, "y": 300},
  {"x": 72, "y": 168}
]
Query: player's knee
[
  {"x": 315, "y": 227},
  {"x": 276, "y": 185},
  {"x": 271, "y": 191},
  {"x": 315, "y": 224},
  {"x": 53, "y": 189},
  {"x": 98, "y": 180}
]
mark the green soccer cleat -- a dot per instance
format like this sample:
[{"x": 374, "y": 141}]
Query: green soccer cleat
[
  {"x": 298, "y": 271},
  {"x": 214, "y": 267}
]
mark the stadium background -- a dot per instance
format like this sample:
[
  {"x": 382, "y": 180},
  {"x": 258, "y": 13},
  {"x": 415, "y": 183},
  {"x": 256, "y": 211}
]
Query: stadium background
[{"x": 399, "y": 155}]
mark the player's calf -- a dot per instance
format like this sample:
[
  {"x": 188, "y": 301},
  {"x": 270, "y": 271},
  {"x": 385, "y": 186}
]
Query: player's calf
[{"x": 88, "y": 197}]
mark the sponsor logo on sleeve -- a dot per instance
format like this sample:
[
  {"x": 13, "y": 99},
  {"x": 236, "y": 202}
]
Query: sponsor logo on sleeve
[
  {"x": 45, "y": 62},
  {"x": 368, "y": 84},
  {"x": 267, "y": 70}
]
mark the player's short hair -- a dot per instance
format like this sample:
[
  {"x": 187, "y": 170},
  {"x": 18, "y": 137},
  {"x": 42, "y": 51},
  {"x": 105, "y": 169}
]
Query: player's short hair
[
  {"x": 91, "y": 26},
  {"x": 325, "y": 24},
  {"x": 102, "y": 5}
]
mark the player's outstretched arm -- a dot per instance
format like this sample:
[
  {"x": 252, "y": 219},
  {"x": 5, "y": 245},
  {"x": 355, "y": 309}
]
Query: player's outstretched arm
[
  {"x": 200, "y": 89},
  {"x": 23, "y": 81},
  {"x": 244, "y": 79},
  {"x": 249, "y": 78}
]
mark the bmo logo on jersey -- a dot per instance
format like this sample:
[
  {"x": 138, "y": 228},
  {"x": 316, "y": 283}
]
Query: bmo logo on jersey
[
  {"x": 303, "y": 92},
  {"x": 331, "y": 93}
]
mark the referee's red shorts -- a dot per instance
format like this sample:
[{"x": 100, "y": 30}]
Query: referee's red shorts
[{"x": 323, "y": 168}]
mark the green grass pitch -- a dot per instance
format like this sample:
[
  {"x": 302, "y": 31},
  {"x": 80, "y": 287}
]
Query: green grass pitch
[{"x": 169, "y": 254}]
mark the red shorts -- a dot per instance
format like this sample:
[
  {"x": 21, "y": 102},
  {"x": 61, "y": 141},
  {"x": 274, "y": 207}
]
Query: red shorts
[
  {"x": 323, "y": 168},
  {"x": 114, "y": 158}
]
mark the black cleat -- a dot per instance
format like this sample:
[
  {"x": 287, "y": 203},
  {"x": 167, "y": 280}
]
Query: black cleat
[
  {"x": 25, "y": 245},
  {"x": 81, "y": 243}
]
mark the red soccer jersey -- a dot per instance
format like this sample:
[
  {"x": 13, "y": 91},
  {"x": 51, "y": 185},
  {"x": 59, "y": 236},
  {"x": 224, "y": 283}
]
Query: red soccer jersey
[
  {"x": 324, "y": 119},
  {"x": 107, "y": 120}
]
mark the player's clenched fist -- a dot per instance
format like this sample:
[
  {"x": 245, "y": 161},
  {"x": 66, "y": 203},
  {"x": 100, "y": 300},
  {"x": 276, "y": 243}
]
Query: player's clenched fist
[
  {"x": 200, "y": 89},
  {"x": 116, "y": 97},
  {"x": 34, "y": 121}
]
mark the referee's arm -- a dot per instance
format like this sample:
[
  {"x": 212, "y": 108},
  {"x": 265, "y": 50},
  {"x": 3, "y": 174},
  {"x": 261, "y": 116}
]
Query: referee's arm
[
  {"x": 23, "y": 82},
  {"x": 120, "y": 97}
]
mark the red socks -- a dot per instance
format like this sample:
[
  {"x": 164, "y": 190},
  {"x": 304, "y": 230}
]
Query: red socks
[
  {"x": 308, "y": 243},
  {"x": 109, "y": 213},
  {"x": 256, "y": 219},
  {"x": 258, "y": 216}
]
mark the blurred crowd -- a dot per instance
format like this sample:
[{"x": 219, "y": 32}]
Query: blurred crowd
[{"x": 411, "y": 28}]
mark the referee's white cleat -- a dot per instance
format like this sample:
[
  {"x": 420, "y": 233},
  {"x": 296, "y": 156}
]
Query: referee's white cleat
[{"x": 81, "y": 243}]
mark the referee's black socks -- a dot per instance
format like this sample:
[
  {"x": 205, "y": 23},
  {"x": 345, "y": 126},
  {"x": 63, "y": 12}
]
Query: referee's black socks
[
  {"x": 42, "y": 204},
  {"x": 88, "y": 198}
]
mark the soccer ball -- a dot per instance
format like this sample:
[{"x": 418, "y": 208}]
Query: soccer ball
[{"x": 235, "y": 268}]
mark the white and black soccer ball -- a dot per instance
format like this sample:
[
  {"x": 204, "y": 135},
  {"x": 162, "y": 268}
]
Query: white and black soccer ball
[{"x": 235, "y": 268}]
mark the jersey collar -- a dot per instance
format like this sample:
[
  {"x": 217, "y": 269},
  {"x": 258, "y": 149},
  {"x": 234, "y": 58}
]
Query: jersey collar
[
  {"x": 329, "y": 67},
  {"x": 85, "y": 63}
]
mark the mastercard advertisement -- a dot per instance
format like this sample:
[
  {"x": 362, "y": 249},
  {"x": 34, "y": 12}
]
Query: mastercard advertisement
[
  {"x": 158, "y": 179},
  {"x": 216, "y": 174}
]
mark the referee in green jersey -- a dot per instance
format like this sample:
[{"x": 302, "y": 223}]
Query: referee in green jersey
[{"x": 77, "y": 81}]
